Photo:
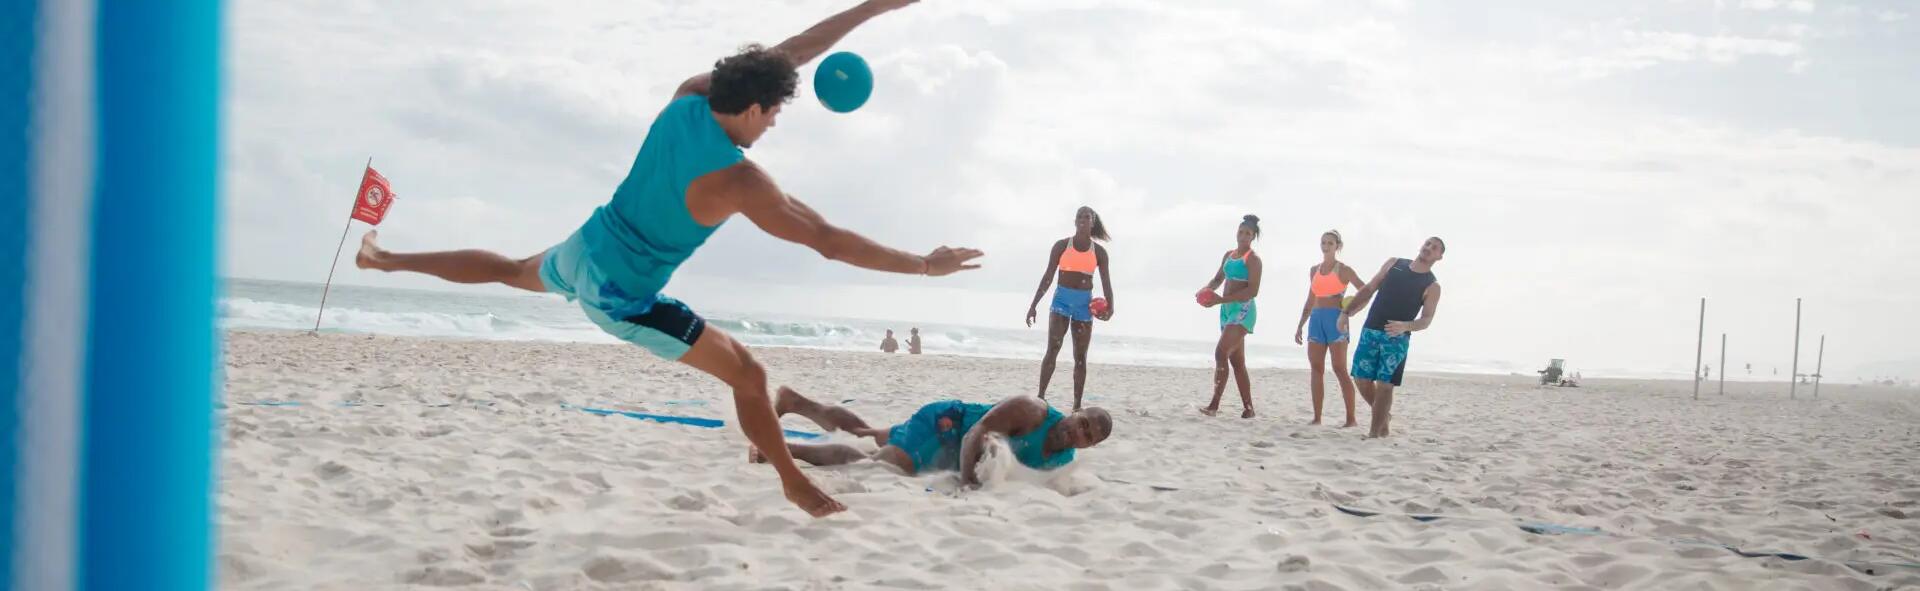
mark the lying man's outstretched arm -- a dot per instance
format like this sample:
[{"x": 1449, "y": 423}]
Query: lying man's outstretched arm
[{"x": 1016, "y": 415}]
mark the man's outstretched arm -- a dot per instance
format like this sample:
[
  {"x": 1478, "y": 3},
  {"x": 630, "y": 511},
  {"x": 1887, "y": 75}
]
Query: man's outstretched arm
[
  {"x": 1018, "y": 414},
  {"x": 786, "y": 218},
  {"x": 809, "y": 44}
]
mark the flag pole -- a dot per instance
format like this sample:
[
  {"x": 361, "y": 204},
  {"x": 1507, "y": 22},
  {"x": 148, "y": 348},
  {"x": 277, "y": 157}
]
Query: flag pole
[{"x": 336, "y": 251}]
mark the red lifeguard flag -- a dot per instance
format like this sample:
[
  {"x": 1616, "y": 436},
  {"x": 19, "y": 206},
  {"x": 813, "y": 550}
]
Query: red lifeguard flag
[{"x": 376, "y": 194}]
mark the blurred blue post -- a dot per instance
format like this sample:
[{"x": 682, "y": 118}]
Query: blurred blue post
[{"x": 109, "y": 135}]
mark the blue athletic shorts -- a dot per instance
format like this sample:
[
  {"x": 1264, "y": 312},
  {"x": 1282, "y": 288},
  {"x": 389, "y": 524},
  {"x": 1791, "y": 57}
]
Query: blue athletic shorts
[
  {"x": 1075, "y": 304},
  {"x": 665, "y": 326},
  {"x": 1323, "y": 327}
]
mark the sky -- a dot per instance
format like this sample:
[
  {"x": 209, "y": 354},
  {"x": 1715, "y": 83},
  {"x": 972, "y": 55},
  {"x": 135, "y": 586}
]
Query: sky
[{"x": 1596, "y": 168}]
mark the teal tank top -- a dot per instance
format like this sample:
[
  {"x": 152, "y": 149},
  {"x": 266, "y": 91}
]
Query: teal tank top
[
  {"x": 1029, "y": 449},
  {"x": 637, "y": 240},
  {"x": 1235, "y": 269}
]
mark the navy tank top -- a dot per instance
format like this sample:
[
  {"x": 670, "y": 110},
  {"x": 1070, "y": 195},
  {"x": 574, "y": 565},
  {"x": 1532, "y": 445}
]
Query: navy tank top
[{"x": 1401, "y": 295}]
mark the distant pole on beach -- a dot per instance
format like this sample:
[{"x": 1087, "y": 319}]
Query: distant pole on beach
[
  {"x": 1699, "y": 349},
  {"x": 1818, "y": 363},
  {"x": 1723, "y": 364},
  {"x": 1793, "y": 377}
]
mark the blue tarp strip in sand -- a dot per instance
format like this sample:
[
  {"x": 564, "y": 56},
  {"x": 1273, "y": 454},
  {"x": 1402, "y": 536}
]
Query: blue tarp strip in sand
[{"x": 694, "y": 421}]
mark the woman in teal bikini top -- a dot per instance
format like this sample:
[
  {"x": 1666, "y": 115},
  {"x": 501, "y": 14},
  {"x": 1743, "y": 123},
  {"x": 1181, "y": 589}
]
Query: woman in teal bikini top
[{"x": 1240, "y": 277}]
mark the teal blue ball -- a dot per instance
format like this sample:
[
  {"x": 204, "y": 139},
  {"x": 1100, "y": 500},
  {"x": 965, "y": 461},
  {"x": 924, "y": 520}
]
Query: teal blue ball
[{"x": 843, "y": 82}]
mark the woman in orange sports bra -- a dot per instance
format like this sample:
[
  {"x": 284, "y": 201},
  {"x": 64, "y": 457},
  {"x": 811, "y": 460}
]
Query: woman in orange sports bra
[
  {"x": 1321, "y": 323},
  {"x": 1075, "y": 258}
]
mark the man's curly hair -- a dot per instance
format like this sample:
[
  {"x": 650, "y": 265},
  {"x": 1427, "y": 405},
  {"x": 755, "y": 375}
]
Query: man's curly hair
[{"x": 755, "y": 76}]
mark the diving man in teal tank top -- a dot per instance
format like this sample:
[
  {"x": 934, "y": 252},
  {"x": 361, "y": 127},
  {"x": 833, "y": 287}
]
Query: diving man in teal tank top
[
  {"x": 689, "y": 177},
  {"x": 950, "y": 434}
]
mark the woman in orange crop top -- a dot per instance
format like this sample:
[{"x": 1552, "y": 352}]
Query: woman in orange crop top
[
  {"x": 1321, "y": 323},
  {"x": 1075, "y": 258}
]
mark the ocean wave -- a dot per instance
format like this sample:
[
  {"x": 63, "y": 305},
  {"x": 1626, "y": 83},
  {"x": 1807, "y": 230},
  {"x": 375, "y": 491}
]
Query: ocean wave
[
  {"x": 400, "y": 313},
  {"x": 248, "y": 313}
]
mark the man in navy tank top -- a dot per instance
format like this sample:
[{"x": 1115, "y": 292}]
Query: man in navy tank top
[
  {"x": 690, "y": 176},
  {"x": 1405, "y": 296}
]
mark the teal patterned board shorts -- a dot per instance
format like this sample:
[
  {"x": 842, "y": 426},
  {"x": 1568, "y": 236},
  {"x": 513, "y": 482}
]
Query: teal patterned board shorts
[{"x": 1381, "y": 358}]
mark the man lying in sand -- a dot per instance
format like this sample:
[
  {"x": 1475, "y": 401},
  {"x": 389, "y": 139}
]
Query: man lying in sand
[{"x": 950, "y": 433}]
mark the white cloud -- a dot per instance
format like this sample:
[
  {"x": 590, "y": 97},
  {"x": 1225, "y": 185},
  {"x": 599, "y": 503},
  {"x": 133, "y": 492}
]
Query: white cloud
[
  {"x": 1565, "y": 203},
  {"x": 1599, "y": 53},
  {"x": 1801, "y": 6},
  {"x": 1891, "y": 16}
]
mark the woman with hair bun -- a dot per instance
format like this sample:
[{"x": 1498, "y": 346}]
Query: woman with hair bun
[{"x": 1238, "y": 282}]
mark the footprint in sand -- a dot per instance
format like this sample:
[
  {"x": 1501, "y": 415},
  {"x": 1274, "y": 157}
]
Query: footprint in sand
[
  {"x": 509, "y": 532},
  {"x": 440, "y": 577},
  {"x": 1218, "y": 570},
  {"x": 1430, "y": 575},
  {"x": 608, "y": 569},
  {"x": 1294, "y": 563},
  {"x": 331, "y": 470},
  {"x": 1140, "y": 550},
  {"x": 595, "y": 479}
]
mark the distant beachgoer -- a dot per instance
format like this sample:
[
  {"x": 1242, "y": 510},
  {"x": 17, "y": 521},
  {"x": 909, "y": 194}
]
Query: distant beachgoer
[
  {"x": 889, "y": 345},
  {"x": 690, "y": 177},
  {"x": 913, "y": 342},
  {"x": 1319, "y": 323},
  {"x": 1407, "y": 288},
  {"x": 1075, "y": 257},
  {"x": 950, "y": 434},
  {"x": 1238, "y": 280}
]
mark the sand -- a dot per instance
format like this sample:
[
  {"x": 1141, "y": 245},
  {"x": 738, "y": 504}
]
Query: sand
[{"x": 470, "y": 473}]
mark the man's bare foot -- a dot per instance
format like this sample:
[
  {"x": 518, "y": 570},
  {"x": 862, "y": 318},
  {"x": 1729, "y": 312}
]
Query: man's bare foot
[
  {"x": 1209, "y": 410},
  {"x": 1314, "y": 422},
  {"x": 804, "y": 495},
  {"x": 1246, "y": 414},
  {"x": 754, "y": 456},
  {"x": 370, "y": 252},
  {"x": 784, "y": 400},
  {"x": 1350, "y": 423}
]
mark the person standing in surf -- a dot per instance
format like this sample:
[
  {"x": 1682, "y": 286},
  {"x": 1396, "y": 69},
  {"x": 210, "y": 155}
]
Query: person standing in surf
[
  {"x": 690, "y": 177},
  {"x": 1075, "y": 258},
  {"x": 1319, "y": 325},
  {"x": 1240, "y": 275}
]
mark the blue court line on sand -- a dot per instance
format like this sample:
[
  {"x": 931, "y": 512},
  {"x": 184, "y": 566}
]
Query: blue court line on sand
[
  {"x": 675, "y": 419},
  {"x": 694, "y": 421}
]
